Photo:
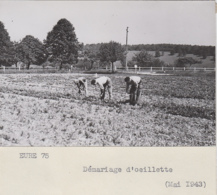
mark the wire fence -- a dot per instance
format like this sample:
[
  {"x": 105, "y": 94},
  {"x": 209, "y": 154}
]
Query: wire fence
[
  {"x": 14, "y": 70},
  {"x": 165, "y": 69},
  {"x": 158, "y": 69}
]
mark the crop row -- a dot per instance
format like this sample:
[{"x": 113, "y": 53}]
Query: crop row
[
  {"x": 46, "y": 110},
  {"x": 167, "y": 86}
]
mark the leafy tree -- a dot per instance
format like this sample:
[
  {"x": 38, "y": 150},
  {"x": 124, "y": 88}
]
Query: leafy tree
[
  {"x": 180, "y": 52},
  {"x": 182, "y": 62},
  {"x": 93, "y": 48},
  {"x": 184, "y": 52},
  {"x": 172, "y": 52},
  {"x": 81, "y": 46},
  {"x": 91, "y": 56},
  {"x": 91, "y": 53},
  {"x": 6, "y": 47},
  {"x": 131, "y": 63},
  {"x": 62, "y": 43},
  {"x": 204, "y": 53},
  {"x": 111, "y": 52},
  {"x": 157, "y": 63},
  {"x": 157, "y": 53},
  {"x": 143, "y": 59},
  {"x": 31, "y": 50}
]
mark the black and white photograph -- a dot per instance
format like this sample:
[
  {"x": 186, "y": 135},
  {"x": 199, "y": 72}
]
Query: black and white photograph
[{"x": 107, "y": 74}]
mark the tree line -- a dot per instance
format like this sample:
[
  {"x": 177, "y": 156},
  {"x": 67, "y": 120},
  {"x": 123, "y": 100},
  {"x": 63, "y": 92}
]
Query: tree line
[
  {"x": 62, "y": 48},
  {"x": 145, "y": 59},
  {"x": 182, "y": 50}
]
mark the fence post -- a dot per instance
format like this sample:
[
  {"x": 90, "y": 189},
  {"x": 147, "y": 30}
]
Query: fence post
[
  {"x": 173, "y": 68},
  {"x": 151, "y": 69},
  {"x": 162, "y": 68},
  {"x": 204, "y": 69},
  {"x": 139, "y": 69},
  {"x": 4, "y": 69},
  {"x": 194, "y": 69},
  {"x": 184, "y": 68}
]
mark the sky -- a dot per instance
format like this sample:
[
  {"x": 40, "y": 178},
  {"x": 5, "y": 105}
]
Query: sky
[{"x": 149, "y": 22}]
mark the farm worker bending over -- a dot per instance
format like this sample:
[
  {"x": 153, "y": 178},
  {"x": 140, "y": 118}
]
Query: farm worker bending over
[
  {"x": 103, "y": 83},
  {"x": 81, "y": 83},
  {"x": 135, "y": 83}
]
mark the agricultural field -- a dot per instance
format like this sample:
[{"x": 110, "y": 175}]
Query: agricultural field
[{"x": 46, "y": 110}]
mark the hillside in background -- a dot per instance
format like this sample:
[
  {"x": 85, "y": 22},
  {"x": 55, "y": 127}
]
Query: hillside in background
[
  {"x": 169, "y": 53},
  {"x": 170, "y": 59}
]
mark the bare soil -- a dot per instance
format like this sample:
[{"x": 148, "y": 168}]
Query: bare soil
[{"x": 46, "y": 110}]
